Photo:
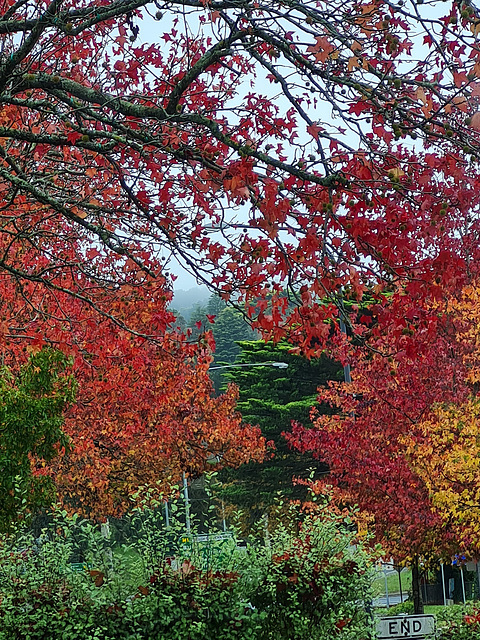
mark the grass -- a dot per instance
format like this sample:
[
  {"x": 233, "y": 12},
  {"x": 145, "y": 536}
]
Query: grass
[
  {"x": 438, "y": 608},
  {"x": 435, "y": 608}
]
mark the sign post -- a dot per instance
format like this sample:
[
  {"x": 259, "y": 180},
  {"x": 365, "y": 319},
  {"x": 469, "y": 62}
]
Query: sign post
[{"x": 406, "y": 627}]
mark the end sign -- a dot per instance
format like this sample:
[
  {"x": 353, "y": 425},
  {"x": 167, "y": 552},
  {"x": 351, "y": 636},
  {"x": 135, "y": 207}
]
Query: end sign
[{"x": 421, "y": 626}]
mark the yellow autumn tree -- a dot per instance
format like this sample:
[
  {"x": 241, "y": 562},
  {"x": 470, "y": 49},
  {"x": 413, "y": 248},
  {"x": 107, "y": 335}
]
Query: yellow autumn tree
[
  {"x": 448, "y": 460},
  {"x": 445, "y": 451}
]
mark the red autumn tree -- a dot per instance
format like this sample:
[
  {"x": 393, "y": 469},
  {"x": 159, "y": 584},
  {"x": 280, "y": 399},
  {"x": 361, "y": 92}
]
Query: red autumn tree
[
  {"x": 132, "y": 127},
  {"x": 376, "y": 438}
]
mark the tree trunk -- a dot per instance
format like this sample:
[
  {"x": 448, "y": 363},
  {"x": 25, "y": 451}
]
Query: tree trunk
[{"x": 416, "y": 591}]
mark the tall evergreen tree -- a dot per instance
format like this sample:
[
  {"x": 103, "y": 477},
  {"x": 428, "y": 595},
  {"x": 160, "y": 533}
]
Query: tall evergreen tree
[
  {"x": 227, "y": 325},
  {"x": 215, "y": 305},
  {"x": 229, "y": 329},
  {"x": 272, "y": 398}
]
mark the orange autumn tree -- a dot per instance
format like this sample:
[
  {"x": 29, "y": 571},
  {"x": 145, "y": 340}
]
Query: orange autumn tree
[
  {"x": 446, "y": 455},
  {"x": 145, "y": 414},
  {"x": 145, "y": 409}
]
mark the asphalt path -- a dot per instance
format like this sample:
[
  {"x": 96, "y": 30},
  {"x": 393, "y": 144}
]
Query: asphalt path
[{"x": 392, "y": 600}]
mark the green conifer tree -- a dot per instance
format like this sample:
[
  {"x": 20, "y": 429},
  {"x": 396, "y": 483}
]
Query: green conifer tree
[{"x": 273, "y": 397}]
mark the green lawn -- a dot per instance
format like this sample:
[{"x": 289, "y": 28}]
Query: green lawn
[
  {"x": 438, "y": 608},
  {"x": 435, "y": 608}
]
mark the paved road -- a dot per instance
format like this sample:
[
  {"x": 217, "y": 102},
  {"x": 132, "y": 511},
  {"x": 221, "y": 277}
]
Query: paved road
[{"x": 392, "y": 600}]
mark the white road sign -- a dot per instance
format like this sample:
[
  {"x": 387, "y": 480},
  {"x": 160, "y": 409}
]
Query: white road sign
[{"x": 421, "y": 626}]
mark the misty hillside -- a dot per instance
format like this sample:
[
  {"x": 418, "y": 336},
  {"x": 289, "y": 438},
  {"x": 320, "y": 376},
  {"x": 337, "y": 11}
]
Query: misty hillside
[{"x": 185, "y": 301}]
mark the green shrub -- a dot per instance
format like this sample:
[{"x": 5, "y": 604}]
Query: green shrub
[
  {"x": 310, "y": 585},
  {"x": 459, "y": 623},
  {"x": 401, "y": 607},
  {"x": 308, "y": 582}
]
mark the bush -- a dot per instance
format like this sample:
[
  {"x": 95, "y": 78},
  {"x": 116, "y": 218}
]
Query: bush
[
  {"x": 402, "y": 607},
  {"x": 307, "y": 582},
  {"x": 459, "y": 623},
  {"x": 310, "y": 585}
]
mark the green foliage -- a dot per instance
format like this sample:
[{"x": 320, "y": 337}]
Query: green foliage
[
  {"x": 308, "y": 583},
  {"x": 32, "y": 406},
  {"x": 401, "y": 607},
  {"x": 198, "y": 322},
  {"x": 215, "y": 305},
  {"x": 227, "y": 325},
  {"x": 272, "y": 398},
  {"x": 311, "y": 582},
  {"x": 229, "y": 328},
  {"x": 459, "y": 623}
]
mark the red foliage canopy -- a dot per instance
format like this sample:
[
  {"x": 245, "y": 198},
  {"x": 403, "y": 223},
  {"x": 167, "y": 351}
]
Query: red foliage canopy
[
  {"x": 412, "y": 367},
  {"x": 130, "y": 148}
]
